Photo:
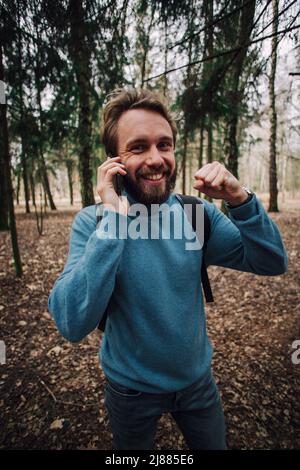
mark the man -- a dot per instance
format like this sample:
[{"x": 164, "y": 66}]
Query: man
[{"x": 155, "y": 351}]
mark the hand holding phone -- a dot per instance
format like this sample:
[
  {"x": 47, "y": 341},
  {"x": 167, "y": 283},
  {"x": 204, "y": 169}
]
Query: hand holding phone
[
  {"x": 118, "y": 182},
  {"x": 110, "y": 185}
]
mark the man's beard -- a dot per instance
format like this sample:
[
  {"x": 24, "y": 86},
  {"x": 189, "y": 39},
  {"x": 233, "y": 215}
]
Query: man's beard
[{"x": 151, "y": 195}]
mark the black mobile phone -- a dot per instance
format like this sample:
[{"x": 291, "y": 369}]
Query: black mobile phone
[{"x": 118, "y": 182}]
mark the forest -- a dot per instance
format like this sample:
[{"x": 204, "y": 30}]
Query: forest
[{"x": 230, "y": 71}]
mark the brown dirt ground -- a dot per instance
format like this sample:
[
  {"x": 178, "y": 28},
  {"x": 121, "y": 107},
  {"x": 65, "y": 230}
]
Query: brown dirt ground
[{"x": 51, "y": 391}]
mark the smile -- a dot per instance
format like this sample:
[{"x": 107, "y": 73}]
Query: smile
[{"x": 158, "y": 177}]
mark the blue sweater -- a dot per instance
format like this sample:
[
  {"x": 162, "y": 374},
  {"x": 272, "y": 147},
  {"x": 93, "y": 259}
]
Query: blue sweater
[{"x": 155, "y": 338}]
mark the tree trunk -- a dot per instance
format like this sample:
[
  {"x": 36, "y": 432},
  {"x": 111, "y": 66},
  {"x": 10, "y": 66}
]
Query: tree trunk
[
  {"x": 42, "y": 163},
  {"x": 7, "y": 175},
  {"x": 22, "y": 117},
  {"x": 201, "y": 141},
  {"x": 209, "y": 150},
  {"x": 69, "y": 164},
  {"x": 235, "y": 95},
  {"x": 207, "y": 98},
  {"x": 188, "y": 98},
  {"x": 25, "y": 176},
  {"x": 232, "y": 147},
  {"x": 209, "y": 41},
  {"x": 18, "y": 189},
  {"x": 46, "y": 183},
  {"x": 45, "y": 195},
  {"x": 165, "y": 85},
  {"x": 3, "y": 184},
  {"x": 41, "y": 159},
  {"x": 146, "y": 48},
  {"x": 32, "y": 187},
  {"x": 273, "y": 201},
  {"x": 184, "y": 155},
  {"x": 80, "y": 54}
]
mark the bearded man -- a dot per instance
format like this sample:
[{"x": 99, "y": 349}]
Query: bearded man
[{"x": 155, "y": 352}]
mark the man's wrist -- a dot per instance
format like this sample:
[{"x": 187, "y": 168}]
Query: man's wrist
[{"x": 242, "y": 198}]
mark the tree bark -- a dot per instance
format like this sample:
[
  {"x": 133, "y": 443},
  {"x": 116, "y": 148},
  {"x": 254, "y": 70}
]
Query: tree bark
[
  {"x": 18, "y": 189},
  {"x": 46, "y": 183},
  {"x": 189, "y": 93},
  {"x": 165, "y": 83},
  {"x": 42, "y": 163},
  {"x": 201, "y": 142},
  {"x": 7, "y": 174},
  {"x": 146, "y": 46},
  {"x": 80, "y": 55},
  {"x": 32, "y": 187},
  {"x": 22, "y": 117},
  {"x": 209, "y": 43},
  {"x": 235, "y": 95},
  {"x": 25, "y": 172},
  {"x": 273, "y": 200},
  {"x": 184, "y": 155},
  {"x": 3, "y": 183},
  {"x": 69, "y": 164}
]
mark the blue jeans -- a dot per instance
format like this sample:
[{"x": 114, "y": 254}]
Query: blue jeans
[{"x": 197, "y": 410}]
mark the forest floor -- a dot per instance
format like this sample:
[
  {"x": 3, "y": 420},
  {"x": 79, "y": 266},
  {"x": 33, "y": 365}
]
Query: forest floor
[{"x": 52, "y": 391}]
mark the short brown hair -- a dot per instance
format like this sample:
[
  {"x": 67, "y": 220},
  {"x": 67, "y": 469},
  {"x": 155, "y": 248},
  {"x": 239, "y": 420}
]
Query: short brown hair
[{"x": 121, "y": 100}]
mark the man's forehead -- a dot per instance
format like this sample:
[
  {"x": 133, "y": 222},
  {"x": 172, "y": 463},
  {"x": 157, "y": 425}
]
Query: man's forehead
[
  {"x": 145, "y": 137},
  {"x": 136, "y": 123}
]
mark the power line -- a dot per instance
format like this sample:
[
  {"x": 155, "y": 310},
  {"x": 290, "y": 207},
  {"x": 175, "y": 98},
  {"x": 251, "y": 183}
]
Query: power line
[{"x": 220, "y": 54}]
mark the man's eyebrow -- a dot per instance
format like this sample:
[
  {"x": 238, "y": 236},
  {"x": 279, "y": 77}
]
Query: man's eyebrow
[{"x": 143, "y": 140}]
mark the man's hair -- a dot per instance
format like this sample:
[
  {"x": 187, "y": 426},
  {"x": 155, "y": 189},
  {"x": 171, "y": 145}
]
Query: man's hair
[{"x": 120, "y": 101}]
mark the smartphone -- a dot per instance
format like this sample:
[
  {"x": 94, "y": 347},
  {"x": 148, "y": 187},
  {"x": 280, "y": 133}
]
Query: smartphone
[{"x": 118, "y": 181}]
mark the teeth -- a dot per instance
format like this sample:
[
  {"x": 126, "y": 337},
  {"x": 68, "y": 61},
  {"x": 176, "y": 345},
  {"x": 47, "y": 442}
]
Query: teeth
[{"x": 154, "y": 177}]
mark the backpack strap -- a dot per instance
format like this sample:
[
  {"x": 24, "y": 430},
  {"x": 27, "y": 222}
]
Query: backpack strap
[{"x": 184, "y": 199}]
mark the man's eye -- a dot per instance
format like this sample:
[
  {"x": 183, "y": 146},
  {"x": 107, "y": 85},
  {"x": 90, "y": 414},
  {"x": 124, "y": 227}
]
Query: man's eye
[
  {"x": 165, "y": 145},
  {"x": 138, "y": 148}
]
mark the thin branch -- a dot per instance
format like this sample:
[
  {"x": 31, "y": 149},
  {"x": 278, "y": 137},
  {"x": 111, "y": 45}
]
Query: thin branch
[
  {"x": 212, "y": 23},
  {"x": 221, "y": 54},
  {"x": 219, "y": 19},
  {"x": 48, "y": 390},
  {"x": 80, "y": 405}
]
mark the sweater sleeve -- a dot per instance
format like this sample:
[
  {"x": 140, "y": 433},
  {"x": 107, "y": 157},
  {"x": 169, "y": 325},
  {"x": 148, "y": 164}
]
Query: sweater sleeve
[
  {"x": 82, "y": 292},
  {"x": 247, "y": 241}
]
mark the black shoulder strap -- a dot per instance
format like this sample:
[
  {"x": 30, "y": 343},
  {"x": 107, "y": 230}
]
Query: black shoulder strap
[{"x": 184, "y": 199}]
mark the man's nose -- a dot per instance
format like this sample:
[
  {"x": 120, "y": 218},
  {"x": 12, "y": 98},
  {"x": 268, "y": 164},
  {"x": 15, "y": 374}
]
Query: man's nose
[{"x": 154, "y": 157}]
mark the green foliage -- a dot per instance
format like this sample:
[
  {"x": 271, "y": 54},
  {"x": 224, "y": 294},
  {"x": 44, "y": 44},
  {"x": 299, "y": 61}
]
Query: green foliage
[{"x": 123, "y": 43}]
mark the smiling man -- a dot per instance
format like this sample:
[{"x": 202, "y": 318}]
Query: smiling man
[
  {"x": 155, "y": 352},
  {"x": 146, "y": 148}
]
